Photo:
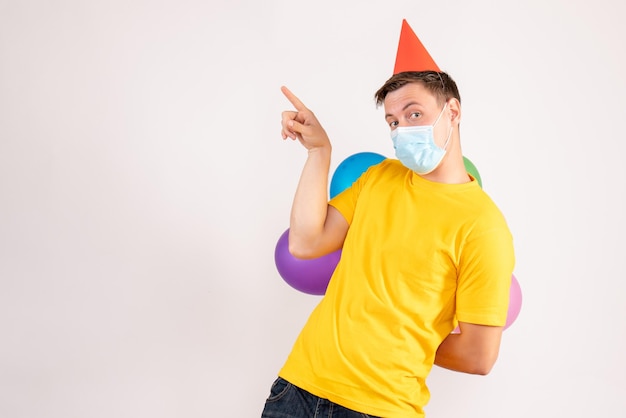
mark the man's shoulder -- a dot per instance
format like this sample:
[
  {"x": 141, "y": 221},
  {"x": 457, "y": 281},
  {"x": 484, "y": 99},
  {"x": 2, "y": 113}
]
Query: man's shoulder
[{"x": 387, "y": 168}]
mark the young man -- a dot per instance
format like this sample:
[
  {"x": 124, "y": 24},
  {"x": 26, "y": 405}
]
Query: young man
[{"x": 424, "y": 250}]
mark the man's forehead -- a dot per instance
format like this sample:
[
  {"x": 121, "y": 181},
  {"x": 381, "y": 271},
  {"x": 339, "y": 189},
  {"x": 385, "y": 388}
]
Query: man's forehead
[{"x": 408, "y": 95}]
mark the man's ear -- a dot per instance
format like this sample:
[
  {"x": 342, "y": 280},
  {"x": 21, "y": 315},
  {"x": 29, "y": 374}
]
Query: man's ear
[{"x": 455, "y": 111}]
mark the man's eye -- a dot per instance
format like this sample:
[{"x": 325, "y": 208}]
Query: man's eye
[
  {"x": 393, "y": 124},
  {"x": 415, "y": 115}
]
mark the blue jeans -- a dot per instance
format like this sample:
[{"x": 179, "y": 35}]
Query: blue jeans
[{"x": 289, "y": 401}]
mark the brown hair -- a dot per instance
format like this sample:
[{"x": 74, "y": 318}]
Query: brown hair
[{"x": 440, "y": 84}]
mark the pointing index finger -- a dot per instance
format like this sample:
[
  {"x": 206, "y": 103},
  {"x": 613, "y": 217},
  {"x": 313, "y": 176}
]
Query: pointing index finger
[{"x": 293, "y": 99}]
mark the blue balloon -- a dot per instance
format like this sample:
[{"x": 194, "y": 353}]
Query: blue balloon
[{"x": 351, "y": 169}]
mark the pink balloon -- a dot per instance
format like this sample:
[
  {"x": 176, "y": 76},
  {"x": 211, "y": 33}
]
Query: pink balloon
[
  {"x": 515, "y": 302},
  {"x": 308, "y": 276}
]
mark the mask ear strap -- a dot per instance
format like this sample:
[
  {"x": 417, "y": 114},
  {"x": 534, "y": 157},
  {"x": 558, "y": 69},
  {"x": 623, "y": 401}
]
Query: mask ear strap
[
  {"x": 439, "y": 117},
  {"x": 448, "y": 140}
]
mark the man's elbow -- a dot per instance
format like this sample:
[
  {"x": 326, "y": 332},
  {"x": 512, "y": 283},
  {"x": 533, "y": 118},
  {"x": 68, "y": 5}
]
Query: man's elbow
[
  {"x": 300, "y": 252},
  {"x": 303, "y": 250},
  {"x": 483, "y": 364},
  {"x": 306, "y": 248}
]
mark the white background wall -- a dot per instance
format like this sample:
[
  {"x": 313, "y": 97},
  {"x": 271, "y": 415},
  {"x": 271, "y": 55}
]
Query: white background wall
[{"x": 144, "y": 185}]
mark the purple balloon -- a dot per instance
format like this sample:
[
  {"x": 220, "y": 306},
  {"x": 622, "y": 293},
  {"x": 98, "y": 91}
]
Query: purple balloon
[{"x": 308, "y": 276}]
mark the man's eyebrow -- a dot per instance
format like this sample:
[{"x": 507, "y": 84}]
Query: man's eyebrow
[{"x": 406, "y": 106}]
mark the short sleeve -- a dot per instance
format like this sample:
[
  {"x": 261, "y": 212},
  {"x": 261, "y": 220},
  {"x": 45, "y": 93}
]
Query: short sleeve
[
  {"x": 345, "y": 202},
  {"x": 484, "y": 278}
]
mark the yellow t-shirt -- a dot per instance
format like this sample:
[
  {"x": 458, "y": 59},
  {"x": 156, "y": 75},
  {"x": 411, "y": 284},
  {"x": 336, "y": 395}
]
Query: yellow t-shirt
[{"x": 418, "y": 257}]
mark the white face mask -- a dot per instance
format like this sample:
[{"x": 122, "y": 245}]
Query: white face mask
[{"x": 415, "y": 146}]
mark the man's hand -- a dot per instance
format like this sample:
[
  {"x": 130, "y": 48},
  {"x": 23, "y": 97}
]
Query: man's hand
[{"x": 302, "y": 124}]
